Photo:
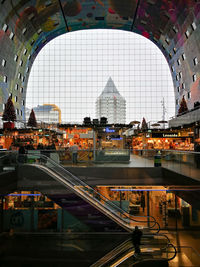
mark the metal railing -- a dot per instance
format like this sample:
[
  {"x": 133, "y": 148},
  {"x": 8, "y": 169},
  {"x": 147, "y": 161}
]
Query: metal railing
[{"x": 125, "y": 250}]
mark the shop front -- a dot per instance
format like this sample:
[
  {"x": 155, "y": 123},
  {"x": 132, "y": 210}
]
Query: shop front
[
  {"x": 83, "y": 137},
  {"x": 169, "y": 210},
  {"x": 26, "y": 211},
  {"x": 31, "y": 210},
  {"x": 110, "y": 138},
  {"x": 31, "y": 139},
  {"x": 16, "y": 138},
  {"x": 162, "y": 140}
]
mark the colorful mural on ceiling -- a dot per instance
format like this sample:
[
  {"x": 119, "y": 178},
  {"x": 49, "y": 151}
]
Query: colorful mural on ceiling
[{"x": 26, "y": 26}]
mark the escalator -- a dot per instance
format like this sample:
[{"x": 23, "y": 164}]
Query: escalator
[
  {"x": 156, "y": 249},
  {"x": 79, "y": 192}
]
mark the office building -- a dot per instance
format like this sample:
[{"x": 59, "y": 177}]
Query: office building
[
  {"x": 48, "y": 113},
  {"x": 111, "y": 104}
]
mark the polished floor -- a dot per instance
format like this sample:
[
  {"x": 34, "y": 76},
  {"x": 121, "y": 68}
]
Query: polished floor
[
  {"x": 56, "y": 249},
  {"x": 187, "y": 244}
]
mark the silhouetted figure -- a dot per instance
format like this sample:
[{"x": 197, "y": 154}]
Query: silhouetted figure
[
  {"x": 136, "y": 238},
  {"x": 52, "y": 146},
  {"x": 40, "y": 146},
  {"x": 22, "y": 152}
]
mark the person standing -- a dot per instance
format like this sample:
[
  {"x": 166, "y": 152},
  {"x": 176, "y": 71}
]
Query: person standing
[
  {"x": 136, "y": 239},
  {"x": 21, "y": 156},
  {"x": 74, "y": 150}
]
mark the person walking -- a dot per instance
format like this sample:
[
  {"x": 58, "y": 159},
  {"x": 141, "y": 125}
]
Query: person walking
[
  {"x": 136, "y": 239},
  {"x": 74, "y": 150}
]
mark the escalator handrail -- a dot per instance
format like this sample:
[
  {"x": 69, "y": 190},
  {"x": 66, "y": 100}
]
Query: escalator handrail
[
  {"x": 110, "y": 203},
  {"x": 7, "y": 154},
  {"x": 101, "y": 196},
  {"x": 114, "y": 253},
  {"x": 92, "y": 198},
  {"x": 83, "y": 184},
  {"x": 122, "y": 247},
  {"x": 175, "y": 252},
  {"x": 157, "y": 234},
  {"x": 163, "y": 249}
]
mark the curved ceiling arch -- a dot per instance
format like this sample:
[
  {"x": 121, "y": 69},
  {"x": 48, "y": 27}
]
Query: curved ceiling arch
[{"x": 26, "y": 26}]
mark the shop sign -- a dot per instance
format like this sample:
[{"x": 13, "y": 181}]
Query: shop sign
[
  {"x": 108, "y": 137},
  {"x": 117, "y": 138},
  {"x": 165, "y": 135},
  {"x": 114, "y": 137},
  {"x": 170, "y": 135},
  {"x": 108, "y": 130},
  {"x": 88, "y": 135}
]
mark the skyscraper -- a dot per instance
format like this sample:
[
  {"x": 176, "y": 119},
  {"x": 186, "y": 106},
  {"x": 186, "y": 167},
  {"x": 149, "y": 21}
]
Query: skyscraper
[{"x": 111, "y": 104}]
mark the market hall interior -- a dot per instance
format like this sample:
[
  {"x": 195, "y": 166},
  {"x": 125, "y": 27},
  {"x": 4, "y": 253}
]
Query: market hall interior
[{"x": 24, "y": 31}]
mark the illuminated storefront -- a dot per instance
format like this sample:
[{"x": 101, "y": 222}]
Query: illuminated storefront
[
  {"x": 110, "y": 137},
  {"x": 31, "y": 210},
  {"x": 182, "y": 139},
  {"x": 164, "y": 204},
  {"x": 31, "y": 138},
  {"x": 83, "y": 137},
  {"x": 26, "y": 211}
]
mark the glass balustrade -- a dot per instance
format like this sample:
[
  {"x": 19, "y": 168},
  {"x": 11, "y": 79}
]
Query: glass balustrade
[{"x": 183, "y": 162}]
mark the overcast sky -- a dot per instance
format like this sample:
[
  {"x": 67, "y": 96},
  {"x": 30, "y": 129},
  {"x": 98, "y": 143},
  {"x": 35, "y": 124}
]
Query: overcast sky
[{"x": 72, "y": 70}]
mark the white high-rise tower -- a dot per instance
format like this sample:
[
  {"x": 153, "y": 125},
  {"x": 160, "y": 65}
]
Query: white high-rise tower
[{"x": 111, "y": 104}]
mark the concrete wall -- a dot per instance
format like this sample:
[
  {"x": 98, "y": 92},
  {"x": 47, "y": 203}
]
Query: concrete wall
[{"x": 187, "y": 118}]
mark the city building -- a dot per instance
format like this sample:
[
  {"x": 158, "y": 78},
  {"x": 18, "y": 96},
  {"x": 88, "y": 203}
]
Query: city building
[
  {"x": 111, "y": 104},
  {"x": 48, "y": 113}
]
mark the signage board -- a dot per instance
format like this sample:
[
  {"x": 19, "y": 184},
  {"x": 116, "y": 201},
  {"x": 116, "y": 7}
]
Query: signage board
[
  {"x": 108, "y": 130},
  {"x": 113, "y": 137},
  {"x": 165, "y": 135}
]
